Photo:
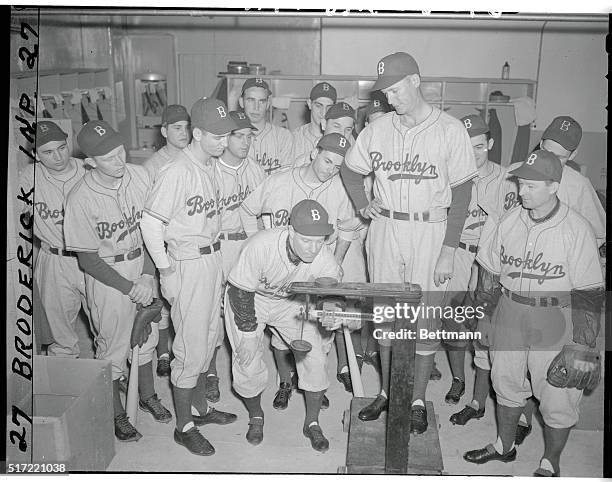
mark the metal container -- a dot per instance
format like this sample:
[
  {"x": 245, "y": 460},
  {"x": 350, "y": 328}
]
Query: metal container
[
  {"x": 257, "y": 69},
  {"x": 235, "y": 67}
]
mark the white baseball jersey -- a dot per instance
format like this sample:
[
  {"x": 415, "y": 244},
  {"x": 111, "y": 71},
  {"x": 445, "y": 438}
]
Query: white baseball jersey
[
  {"x": 271, "y": 148},
  {"x": 575, "y": 190},
  {"x": 49, "y": 199},
  {"x": 304, "y": 141},
  {"x": 264, "y": 267},
  {"x": 556, "y": 255},
  {"x": 278, "y": 193},
  {"x": 415, "y": 168},
  {"x": 158, "y": 160}
]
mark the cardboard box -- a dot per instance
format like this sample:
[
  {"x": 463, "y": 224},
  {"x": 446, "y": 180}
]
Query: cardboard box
[{"x": 73, "y": 413}]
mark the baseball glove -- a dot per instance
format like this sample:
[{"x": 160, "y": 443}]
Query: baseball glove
[
  {"x": 586, "y": 315},
  {"x": 563, "y": 373},
  {"x": 145, "y": 315},
  {"x": 243, "y": 306},
  {"x": 488, "y": 290}
]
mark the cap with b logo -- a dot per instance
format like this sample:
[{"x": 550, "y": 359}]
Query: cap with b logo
[
  {"x": 378, "y": 104},
  {"x": 393, "y": 68},
  {"x": 241, "y": 120},
  {"x": 540, "y": 166},
  {"x": 565, "y": 131},
  {"x": 309, "y": 218},
  {"x": 211, "y": 115},
  {"x": 339, "y": 110},
  {"x": 174, "y": 113},
  {"x": 475, "y": 125},
  {"x": 334, "y": 143},
  {"x": 98, "y": 138},
  {"x": 255, "y": 82},
  {"x": 323, "y": 89},
  {"x": 47, "y": 131}
]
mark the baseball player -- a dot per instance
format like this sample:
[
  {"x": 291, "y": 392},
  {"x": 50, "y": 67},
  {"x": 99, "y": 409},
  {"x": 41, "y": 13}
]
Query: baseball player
[
  {"x": 237, "y": 178},
  {"x": 377, "y": 108},
  {"x": 305, "y": 137},
  {"x": 272, "y": 146},
  {"x": 562, "y": 138},
  {"x": 101, "y": 225},
  {"x": 548, "y": 309},
  {"x": 256, "y": 296},
  {"x": 61, "y": 284},
  {"x": 278, "y": 194},
  {"x": 484, "y": 192},
  {"x": 182, "y": 213},
  {"x": 423, "y": 163},
  {"x": 175, "y": 129}
]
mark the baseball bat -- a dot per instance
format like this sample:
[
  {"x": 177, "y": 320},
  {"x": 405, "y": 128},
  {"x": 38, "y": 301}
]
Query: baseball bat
[
  {"x": 131, "y": 404},
  {"x": 353, "y": 366}
]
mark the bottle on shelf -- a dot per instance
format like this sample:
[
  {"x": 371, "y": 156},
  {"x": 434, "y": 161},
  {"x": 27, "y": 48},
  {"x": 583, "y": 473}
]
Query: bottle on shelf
[{"x": 506, "y": 71}]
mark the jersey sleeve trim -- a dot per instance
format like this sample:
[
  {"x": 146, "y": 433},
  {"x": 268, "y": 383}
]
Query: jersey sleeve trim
[{"x": 157, "y": 216}]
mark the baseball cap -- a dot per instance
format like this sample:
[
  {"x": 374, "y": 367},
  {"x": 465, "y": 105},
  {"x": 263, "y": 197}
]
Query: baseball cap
[
  {"x": 475, "y": 125},
  {"x": 393, "y": 68},
  {"x": 255, "y": 82},
  {"x": 323, "y": 89},
  {"x": 174, "y": 113},
  {"x": 540, "y": 166},
  {"x": 334, "y": 143},
  {"x": 211, "y": 115},
  {"x": 98, "y": 138},
  {"x": 339, "y": 110},
  {"x": 565, "y": 131},
  {"x": 309, "y": 218},
  {"x": 47, "y": 131},
  {"x": 241, "y": 120},
  {"x": 379, "y": 104}
]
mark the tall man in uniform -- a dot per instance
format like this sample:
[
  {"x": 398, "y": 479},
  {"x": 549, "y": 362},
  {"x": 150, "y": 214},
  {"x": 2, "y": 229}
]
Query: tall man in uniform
[
  {"x": 175, "y": 129},
  {"x": 102, "y": 224},
  {"x": 423, "y": 164},
  {"x": 305, "y": 138},
  {"x": 181, "y": 211},
  {"x": 257, "y": 296},
  {"x": 237, "y": 177},
  {"x": 543, "y": 264},
  {"x": 278, "y": 194},
  {"x": 60, "y": 281},
  {"x": 272, "y": 147}
]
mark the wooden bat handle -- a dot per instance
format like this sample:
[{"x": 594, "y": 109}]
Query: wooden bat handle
[
  {"x": 353, "y": 366},
  {"x": 131, "y": 404}
]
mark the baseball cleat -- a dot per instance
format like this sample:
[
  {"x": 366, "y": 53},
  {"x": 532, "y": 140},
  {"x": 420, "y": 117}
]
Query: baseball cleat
[
  {"x": 281, "y": 399},
  {"x": 456, "y": 391},
  {"x": 317, "y": 439},
  {"x": 212, "y": 393},
  {"x": 464, "y": 416},
  {"x": 521, "y": 433},
  {"x": 345, "y": 379},
  {"x": 214, "y": 416},
  {"x": 194, "y": 441},
  {"x": 154, "y": 406},
  {"x": 324, "y": 402},
  {"x": 418, "y": 419},
  {"x": 374, "y": 409},
  {"x": 124, "y": 430},
  {"x": 484, "y": 455},
  {"x": 255, "y": 433},
  {"x": 163, "y": 367}
]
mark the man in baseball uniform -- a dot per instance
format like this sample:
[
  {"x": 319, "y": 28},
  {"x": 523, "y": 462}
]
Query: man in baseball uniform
[
  {"x": 278, "y": 194},
  {"x": 182, "y": 213},
  {"x": 305, "y": 137},
  {"x": 60, "y": 281},
  {"x": 377, "y": 108},
  {"x": 237, "y": 177},
  {"x": 102, "y": 225},
  {"x": 175, "y": 129},
  {"x": 549, "y": 304},
  {"x": 423, "y": 163},
  {"x": 256, "y": 296},
  {"x": 484, "y": 192},
  {"x": 272, "y": 146}
]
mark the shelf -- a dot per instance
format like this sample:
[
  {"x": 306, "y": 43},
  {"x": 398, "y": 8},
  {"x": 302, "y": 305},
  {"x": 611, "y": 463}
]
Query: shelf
[{"x": 45, "y": 73}]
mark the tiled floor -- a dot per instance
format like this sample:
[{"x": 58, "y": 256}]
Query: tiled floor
[{"x": 286, "y": 450}]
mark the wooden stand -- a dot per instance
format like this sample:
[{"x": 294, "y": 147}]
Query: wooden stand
[{"x": 384, "y": 446}]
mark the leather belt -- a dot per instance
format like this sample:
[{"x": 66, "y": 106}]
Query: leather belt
[
  {"x": 233, "y": 236},
  {"x": 61, "y": 252},
  {"x": 526, "y": 300},
  {"x": 210, "y": 249},
  {"x": 126, "y": 257},
  {"x": 472, "y": 248},
  {"x": 405, "y": 216}
]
